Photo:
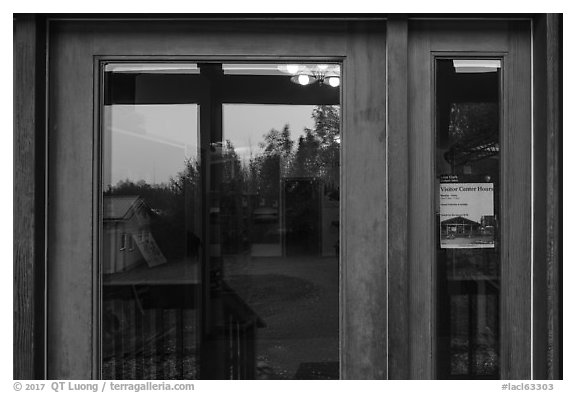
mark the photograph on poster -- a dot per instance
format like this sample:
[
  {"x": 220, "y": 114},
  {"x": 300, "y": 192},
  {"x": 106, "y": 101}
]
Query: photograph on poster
[{"x": 466, "y": 213}]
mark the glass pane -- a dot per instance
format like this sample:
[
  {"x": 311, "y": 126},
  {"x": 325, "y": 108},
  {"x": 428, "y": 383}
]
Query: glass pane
[
  {"x": 467, "y": 208},
  {"x": 279, "y": 231},
  {"x": 221, "y": 221},
  {"x": 151, "y": 230}
]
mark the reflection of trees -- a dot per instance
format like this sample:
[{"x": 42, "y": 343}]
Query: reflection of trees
[
  {"x": 269, "y": 165},
  {"x": 173, "y": 204},
  {"x": 473, "y": 132},
  {"x": 318, "y": 151},
  {"x": 169, "y": 206},
  {"x": 317, "y": 155}
]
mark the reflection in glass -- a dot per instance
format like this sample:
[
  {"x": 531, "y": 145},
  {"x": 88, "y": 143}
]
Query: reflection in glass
[
  {"x": 151, "y": 232},
  {"x": 279, "y": 232},
  {"x": 468, "y": 211},
  {"x": 220, "y": 223}
]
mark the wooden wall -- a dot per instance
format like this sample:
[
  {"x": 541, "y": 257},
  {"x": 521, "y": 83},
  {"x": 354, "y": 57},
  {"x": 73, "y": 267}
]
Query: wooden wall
[
  {"x": 547, "y": 270},
  {"x": 28, "y": 209},
  {"x": 29, "y": 201}
]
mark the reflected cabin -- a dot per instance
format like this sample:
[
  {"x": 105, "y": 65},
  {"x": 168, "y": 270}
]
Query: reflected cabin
[{"x": 128, "y": 241}]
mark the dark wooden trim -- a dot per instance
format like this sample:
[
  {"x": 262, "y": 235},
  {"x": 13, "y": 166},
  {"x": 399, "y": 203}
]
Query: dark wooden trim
[
  {"x": 220, "y": 17},
  {"x": 515, "y": 205},
  {"x": 539, "y": 279},
  {"x": 288, "y": 17},
  {"x": 554, "y": 192},
  {"x": 547, "y": 277},
  {"x": 211, "y": 352},
  {"x": 29, "y": 131},
  {"x": 398, "y": 164},
  {"x": 97, "y": 212}
]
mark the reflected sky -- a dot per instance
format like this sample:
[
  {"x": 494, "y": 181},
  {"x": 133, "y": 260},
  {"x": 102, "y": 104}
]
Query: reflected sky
[
  {"x": 244, "y": 122},
  {"x": 250, "y": 290},
  {"x": 163, "y": 136}
]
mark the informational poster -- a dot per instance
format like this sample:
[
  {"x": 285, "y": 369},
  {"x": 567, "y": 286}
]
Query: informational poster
[{"x": 466, "y": 212}]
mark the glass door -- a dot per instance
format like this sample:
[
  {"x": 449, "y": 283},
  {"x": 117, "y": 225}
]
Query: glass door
[
  {"x": 207, "y": 210},
  {"x": 248, "y": 288}
]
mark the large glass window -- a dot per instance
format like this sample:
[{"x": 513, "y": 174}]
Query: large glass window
[
  {"x": 468, "y": 216},
  {"x": 220, "y": 221}
]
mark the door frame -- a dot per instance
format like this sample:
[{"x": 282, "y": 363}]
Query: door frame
[
  {"x": 426, "y": 42},
  {"x": 412, "y": 356},
  {"x": 31, "y": 37},
  {"x": 74, "y": 152}
]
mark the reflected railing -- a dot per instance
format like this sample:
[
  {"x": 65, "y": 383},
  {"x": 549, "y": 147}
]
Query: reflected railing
[{"x": 220, "y": 224}]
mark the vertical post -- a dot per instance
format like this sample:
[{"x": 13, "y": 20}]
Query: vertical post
[
  {"x": 28, "y": 213},
  {"x": 212, "y": 357},
  {"x": 547, "y": 270},
  {"x": 118, "y": 348},
  {"x": 398, "y": 164},
  {"x": 364, "y": 209},
  {"x": 553, "y": 191},
  {"x": 421, "y": 219},
  {"x": 515, "y": 202}
]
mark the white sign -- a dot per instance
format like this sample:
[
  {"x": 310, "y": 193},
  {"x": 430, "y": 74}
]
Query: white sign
[{"x": 467, "y": 215}]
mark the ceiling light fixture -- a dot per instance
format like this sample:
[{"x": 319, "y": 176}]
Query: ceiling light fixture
[{"x": 307, "y": 74}]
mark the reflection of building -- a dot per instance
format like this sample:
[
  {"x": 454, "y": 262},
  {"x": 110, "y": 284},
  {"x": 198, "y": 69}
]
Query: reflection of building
[
  {"x": 266, "y": 232},
  {"x": 458, "y": 226},
  {"x": 305, "y": 221},
  {"x": 311, "y": 217},
  {"x": 301, "y": 213},
  {"x": 127, "y": 238}
]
